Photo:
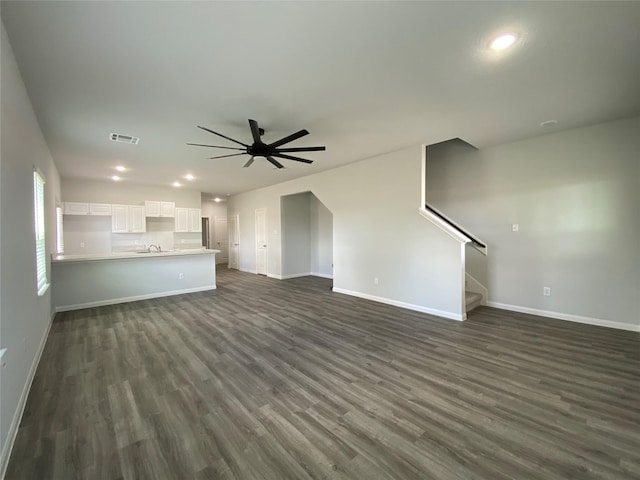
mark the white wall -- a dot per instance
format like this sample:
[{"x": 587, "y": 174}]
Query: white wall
[
  {"x": 75, "y": 190},
  {"x": 377, "y": 232},
  {"x": 95, "y": 232},
  {"x": 575, "y": 196},
  {"x": 321, "y": 224},
  {"x": 25, "y": 318},
  {"x": 296, "y": 235}
]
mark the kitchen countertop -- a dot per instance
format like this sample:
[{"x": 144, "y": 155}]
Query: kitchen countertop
[{"x": 129, "y": 255}]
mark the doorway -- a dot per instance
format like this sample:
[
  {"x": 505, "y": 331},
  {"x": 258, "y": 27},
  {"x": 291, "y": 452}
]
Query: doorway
[
  {"x": 221, "y": 239},
  {"x": 307, "y": 236},
  {"x": 205, "y": 232}
]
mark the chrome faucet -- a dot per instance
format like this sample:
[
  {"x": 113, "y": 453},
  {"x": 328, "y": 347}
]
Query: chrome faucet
[{"x": 157, "y": 247}]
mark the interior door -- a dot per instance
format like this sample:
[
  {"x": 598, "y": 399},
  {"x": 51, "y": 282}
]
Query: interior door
[
  {"x": 205, "y": 232},
  {"x": 221, "y": 238},
  {"x": 261, "y": 241},
  {"x": 234, "y": 241}
]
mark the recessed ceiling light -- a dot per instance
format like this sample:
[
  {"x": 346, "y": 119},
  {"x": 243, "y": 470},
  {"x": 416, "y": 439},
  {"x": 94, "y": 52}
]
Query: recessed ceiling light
[
  {"x": 120, "y": 168},
  {"x": 188, "y": 176},
  {"x": 217, "y": 199},
  {"x": 115, "y": 178},
  {"x": 177, "y": 184},
  {"x": 503, "y": 41}
]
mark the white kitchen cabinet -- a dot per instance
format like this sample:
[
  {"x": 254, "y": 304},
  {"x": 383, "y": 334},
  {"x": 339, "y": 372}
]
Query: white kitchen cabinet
[
  {"x": 83, "y": 208},
  {"x": 188, "y": 220},
  {"x": 155, "y": 208},
  {"x": 103, "y": 209},
  {"x": 75, "y": 208},
  {"x": 137, "y": 218},
  {"x": 182, "y": 219},
  {"x": 195, "y": 220},
  {"x": 128, "y": 219}
]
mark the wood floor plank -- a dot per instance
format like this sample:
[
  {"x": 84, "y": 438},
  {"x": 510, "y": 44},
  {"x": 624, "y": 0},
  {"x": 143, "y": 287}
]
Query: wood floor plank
[{"x": 268, "y": 379}]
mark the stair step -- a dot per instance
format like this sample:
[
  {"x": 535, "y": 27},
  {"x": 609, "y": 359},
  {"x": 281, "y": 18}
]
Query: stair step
[{"x": 472, "y": 300}]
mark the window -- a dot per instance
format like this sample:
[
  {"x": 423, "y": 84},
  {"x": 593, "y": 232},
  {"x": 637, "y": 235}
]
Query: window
[
  {"x": 59, "y": 231},
  {"x": 41, "y": 249}
]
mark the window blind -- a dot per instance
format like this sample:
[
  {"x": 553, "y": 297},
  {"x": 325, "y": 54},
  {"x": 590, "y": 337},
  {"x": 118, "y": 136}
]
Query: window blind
[{"x": 41, "y": 249}]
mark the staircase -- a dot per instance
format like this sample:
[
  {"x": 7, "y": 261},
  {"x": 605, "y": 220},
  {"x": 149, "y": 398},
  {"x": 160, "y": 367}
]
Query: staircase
[{"x": 472, "y": 300}]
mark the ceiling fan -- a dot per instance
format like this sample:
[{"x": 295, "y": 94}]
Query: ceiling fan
[{"x": 261, "y": 149}]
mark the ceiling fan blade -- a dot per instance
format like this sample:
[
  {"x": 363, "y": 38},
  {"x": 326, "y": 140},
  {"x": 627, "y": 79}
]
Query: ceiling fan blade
[
  {"x": 214, "y": 146},
  {"x": 289, "y": 157},
  {"x": 302, "y": 149},
  {"x": 248, "y": 164},
  {"x": 255, "y": 131},
  {"x": 223, "y": 136},
  {"x": 223, "y": 156},
  {"x": 290, "y": 138},
  {"x": 274, "y": 162}
]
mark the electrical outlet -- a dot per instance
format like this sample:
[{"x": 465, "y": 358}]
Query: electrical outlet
[
  {"x": 181, "y": 276},
  {"x": 515, "y": 227},
  {"x": 81, "y": 244},
  {"x": 375, "y": 280},
  {"x": 546, "y": 291}
]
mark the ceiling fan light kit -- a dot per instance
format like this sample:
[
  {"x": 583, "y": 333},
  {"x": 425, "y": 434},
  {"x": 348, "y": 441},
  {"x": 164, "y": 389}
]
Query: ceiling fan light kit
[{"x": 258, "y": 148}]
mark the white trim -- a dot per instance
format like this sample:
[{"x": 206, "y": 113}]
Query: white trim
[
  {"x": 113, "y": 301},
  {"x": 567, "y": 316},
  {"x": 476, "y": 287},
  {"x": 17, "y": 416},
  {"x": 408, "y": 306},
  {"x": 322, "y": 275},
  {"x": 423, "y": 191},
  {"x": 246, "y": 270},
  {"x": 297, "y": 275}
]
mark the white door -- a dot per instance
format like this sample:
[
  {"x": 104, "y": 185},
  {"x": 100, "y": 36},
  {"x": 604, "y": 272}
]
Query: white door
[
  {"x": 234, "y": 241},
  {"x": 261, "y": 241},
  {"x": 221, "y": 239}
]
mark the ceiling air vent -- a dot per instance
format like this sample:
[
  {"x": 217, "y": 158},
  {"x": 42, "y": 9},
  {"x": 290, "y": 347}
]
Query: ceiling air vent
[{"x": 118, "y": 137}]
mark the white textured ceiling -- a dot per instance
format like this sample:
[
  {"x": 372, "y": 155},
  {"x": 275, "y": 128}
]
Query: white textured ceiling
[{"x": 364, "y": 78}]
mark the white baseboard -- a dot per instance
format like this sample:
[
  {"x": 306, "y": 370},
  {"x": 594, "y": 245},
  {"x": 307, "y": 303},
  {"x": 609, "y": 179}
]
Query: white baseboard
[
  {"x": 409, "y": 306},
  {"x": 297, "y": 275},
  {"x": 286, "y": 277},
  {"x": 566, "y": 316},
  {"x": 17, "y": 416},
  {"x": 246, "y": 270},
  {"x": 322, "y": 275},
  {"x": 113, "y": 301}
]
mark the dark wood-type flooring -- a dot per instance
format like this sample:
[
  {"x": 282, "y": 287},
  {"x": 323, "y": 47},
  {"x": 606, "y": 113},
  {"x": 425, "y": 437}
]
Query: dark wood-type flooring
[{"x": 268, "y": 379}]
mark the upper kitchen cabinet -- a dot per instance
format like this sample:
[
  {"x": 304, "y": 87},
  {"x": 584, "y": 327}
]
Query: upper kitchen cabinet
[
  {"x": 82, "y": 208},
  {"x": 128, "y": 219},
  {"x": 154, "y": 208},
  {"x": 188, "y": 220}
]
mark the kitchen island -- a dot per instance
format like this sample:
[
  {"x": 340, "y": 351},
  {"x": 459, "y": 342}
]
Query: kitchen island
[{"x": 82, "y": 281}]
